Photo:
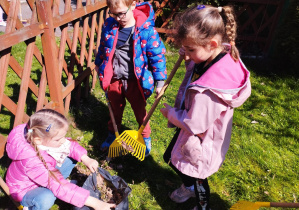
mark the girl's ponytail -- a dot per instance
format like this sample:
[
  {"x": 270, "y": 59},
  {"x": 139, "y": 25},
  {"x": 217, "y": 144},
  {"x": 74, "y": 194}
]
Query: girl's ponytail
[
  {"x": 51, "y": 173},
  {"x": 231, "y": 30}
]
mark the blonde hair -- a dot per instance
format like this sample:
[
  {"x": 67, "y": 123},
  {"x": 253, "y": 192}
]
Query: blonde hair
[
  {"x": 45, "y": 124},
  {"x": 201, "y": 24},
  {"x": 115, "y": 3}
]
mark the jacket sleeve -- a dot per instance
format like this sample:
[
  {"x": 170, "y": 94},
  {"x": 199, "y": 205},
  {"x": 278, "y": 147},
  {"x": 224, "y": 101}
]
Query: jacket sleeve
[
  {"x": 205, "y": 109},
  {"x": 99, "y": 57},
  {"x": 77, "y": 151},
  {"x": 155, "y": 51},
  {"x": 61, "y": 189}
]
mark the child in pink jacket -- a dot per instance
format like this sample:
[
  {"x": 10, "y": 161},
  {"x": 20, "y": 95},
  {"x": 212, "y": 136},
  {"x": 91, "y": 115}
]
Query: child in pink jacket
[
  {"x": 215, "y": 83},
  {"x": 42, "y": 159}
]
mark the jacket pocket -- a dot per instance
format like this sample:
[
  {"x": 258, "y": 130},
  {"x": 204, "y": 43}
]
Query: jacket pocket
[{"x": 192, "y": 150}]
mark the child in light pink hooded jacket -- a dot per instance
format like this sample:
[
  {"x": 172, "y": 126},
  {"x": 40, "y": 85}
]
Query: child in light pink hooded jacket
[
  {"x": 215, "y": 83},
  {"x": 42, "y": 159}
]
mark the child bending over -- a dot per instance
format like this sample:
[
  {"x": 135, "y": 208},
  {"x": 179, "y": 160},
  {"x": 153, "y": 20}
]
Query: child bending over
[{"x": 42, "y": 159}]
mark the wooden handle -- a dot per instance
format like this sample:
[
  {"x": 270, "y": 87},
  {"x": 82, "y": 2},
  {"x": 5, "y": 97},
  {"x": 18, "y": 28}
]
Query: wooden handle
[
  {"x": 286, "y": 205},
  {"x": 111, "y": 115},
  {"x": 6, "y": 190},
  {"x": 4, "y": 186},
  {"x": 151, "y": 111}
]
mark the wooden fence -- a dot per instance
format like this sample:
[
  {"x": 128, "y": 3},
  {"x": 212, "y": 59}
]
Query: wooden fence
[
  {"x": 59, "y": 75},
  {"x": 257, "y": 24}
]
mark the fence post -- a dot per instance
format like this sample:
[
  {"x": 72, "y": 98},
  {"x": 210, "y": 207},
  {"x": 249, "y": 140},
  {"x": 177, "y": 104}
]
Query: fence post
[{"x": 50, "y": 53}]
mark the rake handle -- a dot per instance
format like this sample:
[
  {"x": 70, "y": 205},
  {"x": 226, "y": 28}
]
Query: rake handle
[
  {"x": 112, "y": 115},
  {"x": 6, "y": 190},
  {"x": 286, "y": 205},
  {"x": 151, "y": 111}
]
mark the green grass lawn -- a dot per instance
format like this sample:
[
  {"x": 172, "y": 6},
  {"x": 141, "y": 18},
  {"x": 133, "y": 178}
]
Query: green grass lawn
[{"x": 261, "y": 164}]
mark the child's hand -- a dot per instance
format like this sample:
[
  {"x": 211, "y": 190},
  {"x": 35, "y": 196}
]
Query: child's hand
[
  {"x": 98, "y": 204},
  {"x": 158, "y": 90},
  {"x": 165, "y": 110},
  {"x": 96, "y": 68},
  {"x": 182, "y": 52},
  {"x": 92, "y": 164}
]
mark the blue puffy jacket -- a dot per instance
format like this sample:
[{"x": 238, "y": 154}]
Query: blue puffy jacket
[{"x": 148, "y": 52}]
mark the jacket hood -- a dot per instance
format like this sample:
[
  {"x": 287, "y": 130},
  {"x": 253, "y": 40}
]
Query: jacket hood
[
  {"x": 17, "y": 146},
  {"x": 144, "y": 15},
  {"x": 228, "y": 79}
]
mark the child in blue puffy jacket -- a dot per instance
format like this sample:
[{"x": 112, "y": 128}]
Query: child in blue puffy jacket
[{"x": 130, "y": 61}]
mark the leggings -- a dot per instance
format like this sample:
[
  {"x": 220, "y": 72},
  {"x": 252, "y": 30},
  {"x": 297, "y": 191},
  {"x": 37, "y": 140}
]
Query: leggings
[{"x": 201, "y": 186}]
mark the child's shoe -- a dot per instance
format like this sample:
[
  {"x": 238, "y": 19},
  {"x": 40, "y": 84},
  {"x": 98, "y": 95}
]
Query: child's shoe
[
  {"x": 111, "y": 137},
  {"x": 148, "y": 144},
  {"x": 182, "y": 194}
]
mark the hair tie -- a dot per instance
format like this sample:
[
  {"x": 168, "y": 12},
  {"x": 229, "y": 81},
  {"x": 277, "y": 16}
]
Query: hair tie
[
  {"x": 48, "y": 128},
  {"x": 199, "y": 7},
  {"x": 30, "y": 130},
  {"x": 232, "y": 43},
  {"x": 219, "y": 9}
]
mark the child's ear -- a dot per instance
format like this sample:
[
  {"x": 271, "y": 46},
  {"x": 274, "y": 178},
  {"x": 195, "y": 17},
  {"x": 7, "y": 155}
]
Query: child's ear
[
  {"x": 214, "y": 43},
  {"x": 133, "y": 5}
]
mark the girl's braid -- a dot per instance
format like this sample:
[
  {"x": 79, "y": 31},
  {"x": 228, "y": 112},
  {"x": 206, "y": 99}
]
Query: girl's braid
[
  {"x": 231, "y": 31},
  {"x": 34, "y": 145}
]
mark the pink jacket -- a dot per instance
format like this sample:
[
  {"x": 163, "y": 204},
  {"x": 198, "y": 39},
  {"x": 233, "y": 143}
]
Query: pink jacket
[
  {"x": 206, "y": 121},
  {"x": 27, "y": 172}
]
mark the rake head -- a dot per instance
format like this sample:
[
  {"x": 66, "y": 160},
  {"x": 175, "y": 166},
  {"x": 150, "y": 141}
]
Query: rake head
[
  {"x": 133, "y": 142},
  {"x": 116, "y": 150},
  {"x": 247, "y": 205}
]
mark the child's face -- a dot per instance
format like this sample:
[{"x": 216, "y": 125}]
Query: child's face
[
  {"x": 57, "y": 140},
  {"x": 197, "y": 53},
  {"x": 123, "y": 14}
]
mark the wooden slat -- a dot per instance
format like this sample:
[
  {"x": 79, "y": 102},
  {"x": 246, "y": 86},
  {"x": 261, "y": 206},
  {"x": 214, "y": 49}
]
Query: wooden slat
[
  {"x": 2, "y": 145},
  {"x": 74, "y": 83},
  {"x": 5, "y": 55},
  {"x": 73, "y": 46},
  {"x": 50, "y": 53},
  {"x": 12, "y": 107},
  {"x": 64, "y": 30},
  {"x": 252, "y": 17},
  {"x": 24, "y": 83},
  {"x": 18, "y": 70},
  {"x": 99, "y": 31}
]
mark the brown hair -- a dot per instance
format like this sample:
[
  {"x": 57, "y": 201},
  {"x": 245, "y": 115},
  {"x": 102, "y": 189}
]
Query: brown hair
[
  {"x": 45, "y": 124},
  {"x": 200, "y": 25},
  {"x": 115, "y": 3}
]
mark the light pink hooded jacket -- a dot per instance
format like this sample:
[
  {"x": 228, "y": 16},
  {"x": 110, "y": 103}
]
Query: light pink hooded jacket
[
  {"x": 206, "y": 121},
  {"x": 27, "y": 171}
]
